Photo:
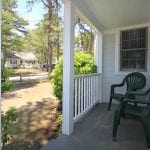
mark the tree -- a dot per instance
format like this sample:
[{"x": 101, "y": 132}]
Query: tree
[
  {"x": 85, "y": 37},
  {"x": 36, "y": 41},
  {"x": 12, "y": 24},
  {"x": 52, "y": 7}
]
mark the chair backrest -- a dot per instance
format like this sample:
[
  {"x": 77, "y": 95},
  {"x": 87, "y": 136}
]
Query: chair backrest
[{"x": 135, "y": 81}]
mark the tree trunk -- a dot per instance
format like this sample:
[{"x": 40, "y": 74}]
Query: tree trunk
[
  {"x": 91, "y": 43},
  {"x": 50, "y": 53},
  {"x": 58, "y": 53}
]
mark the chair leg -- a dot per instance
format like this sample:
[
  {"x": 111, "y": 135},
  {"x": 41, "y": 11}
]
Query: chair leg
[
  {"x": 146, "y": 131},
  {"x": 116, "y": 122},
  {"x": 109, "y": 103}
]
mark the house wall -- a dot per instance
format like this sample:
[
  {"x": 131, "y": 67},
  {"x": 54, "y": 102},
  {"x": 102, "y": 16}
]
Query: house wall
[
  {"x": 110, "y": 67},
  {"x": 13, "y": 65}
]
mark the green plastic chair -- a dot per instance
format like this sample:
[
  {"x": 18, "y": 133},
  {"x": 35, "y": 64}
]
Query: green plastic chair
[
  {"x": 127, "y": 107},
  {"x": 134, "y": 81}
]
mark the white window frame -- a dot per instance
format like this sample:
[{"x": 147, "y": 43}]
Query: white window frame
[
  {"x": 117, "y": 49},
  {"x": 143, "y": 49}
]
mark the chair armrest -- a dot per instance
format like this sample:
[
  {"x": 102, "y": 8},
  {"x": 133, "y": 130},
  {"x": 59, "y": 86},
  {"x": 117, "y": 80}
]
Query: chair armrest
[
  {"x": 116, "y": 85},
  {"x": 137, "y": 93},
  {"x": 136, "y": 101}
]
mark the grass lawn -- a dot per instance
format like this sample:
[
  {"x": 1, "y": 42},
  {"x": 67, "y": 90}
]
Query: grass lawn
[
  {"x": 39, "y": 119},
  {"x": 17, "y": 72}
]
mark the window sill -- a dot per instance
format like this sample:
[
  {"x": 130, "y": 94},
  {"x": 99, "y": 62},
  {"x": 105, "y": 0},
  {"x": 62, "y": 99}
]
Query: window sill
[{"x": 123, "y": 73}]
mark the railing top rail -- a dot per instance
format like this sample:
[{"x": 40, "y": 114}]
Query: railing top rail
[{"x": 86, "y": 75}]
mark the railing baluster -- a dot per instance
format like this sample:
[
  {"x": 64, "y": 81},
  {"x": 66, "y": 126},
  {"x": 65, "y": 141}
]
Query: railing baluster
[
  {"x": 94, "y": 89},
  {"x": 82, "y": 95},
  {"x": 86, "y": 93},
  {"x": 79, "y": 96},
  {"x": 89, "y": 92},
  {"x": 97, "y": 87},
  {"x": 75, "y": 99},
  {"x": 84, "y": 99}
]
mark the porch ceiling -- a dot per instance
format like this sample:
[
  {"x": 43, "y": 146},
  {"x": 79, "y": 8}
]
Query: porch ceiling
[{"x": 116, "y": 13}]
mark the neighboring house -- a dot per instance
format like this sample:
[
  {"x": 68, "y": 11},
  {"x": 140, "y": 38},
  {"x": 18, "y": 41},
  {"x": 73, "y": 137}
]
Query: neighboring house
[
  {"x": 12, "y": 61},
  {"x": 21, "y": 59}
]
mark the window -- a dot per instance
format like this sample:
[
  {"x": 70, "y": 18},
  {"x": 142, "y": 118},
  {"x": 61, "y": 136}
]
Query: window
[
  {"x": 10, "y": 61},
  {"x": 133, "y": 49}
]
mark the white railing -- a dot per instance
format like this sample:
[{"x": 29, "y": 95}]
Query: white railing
[{"x": 86, "y": 93}]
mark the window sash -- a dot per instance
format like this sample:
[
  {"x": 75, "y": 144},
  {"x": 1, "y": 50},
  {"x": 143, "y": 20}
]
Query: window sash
[{"x": 134, "y": 62}]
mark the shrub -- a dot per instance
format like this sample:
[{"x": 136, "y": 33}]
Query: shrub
[
  {"x": 7, "y": 86},
  {"x": 83, "y": 64},
  {"x": 6, "y": 73},
  {"x": 7, "y": 120}
]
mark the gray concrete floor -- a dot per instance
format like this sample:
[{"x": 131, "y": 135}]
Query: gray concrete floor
[{"x": 94, "y": 132}]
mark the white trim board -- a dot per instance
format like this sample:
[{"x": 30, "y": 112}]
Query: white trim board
[{"x": 114, "y": 30}]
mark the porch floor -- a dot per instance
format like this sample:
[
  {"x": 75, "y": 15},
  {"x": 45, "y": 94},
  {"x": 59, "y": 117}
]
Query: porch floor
[{"x": 94, "y": 132}]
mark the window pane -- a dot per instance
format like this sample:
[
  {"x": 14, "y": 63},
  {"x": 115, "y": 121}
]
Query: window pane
[
  {"x": 142, "y": 33},
  {"x": 124, "y": 64},
  {"x": 141, "y": 43},
  {"x": 133, "y": 44},
  {"x": 125, "y": 45},
  {"x": 133, "y": 34},
  {"x": 136, "y": 54},
  {"x": 133, "y": 59},
  {"x": 125, "y": 35},
  {"x": 124, "y": 55},
  {"x": 141, "y": 64},
  {"x": 132, "y": 64},
  {"x": 140, "y": 54}
]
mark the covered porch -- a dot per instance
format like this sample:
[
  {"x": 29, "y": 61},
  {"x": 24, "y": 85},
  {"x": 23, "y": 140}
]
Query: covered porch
[
  {"x": 94, "y": 132},
  {"x": 87, "y": 124}
]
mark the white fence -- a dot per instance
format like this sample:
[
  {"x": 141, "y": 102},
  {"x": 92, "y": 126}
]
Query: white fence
[{"x": 86, "y": 93}]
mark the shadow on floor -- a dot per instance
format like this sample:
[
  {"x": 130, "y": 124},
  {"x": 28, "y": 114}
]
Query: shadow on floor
[
  {"x": 37, "y": 123},
  {"x": 94, "y": 132}
]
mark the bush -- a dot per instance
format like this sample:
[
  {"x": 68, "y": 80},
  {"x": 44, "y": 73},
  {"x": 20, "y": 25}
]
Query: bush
[
  {"x": 7, "y": 86},
  {"x": 6, "y": 73},
  {"x": 7, "y": 120},
  {"x": 83, "y": 64}
]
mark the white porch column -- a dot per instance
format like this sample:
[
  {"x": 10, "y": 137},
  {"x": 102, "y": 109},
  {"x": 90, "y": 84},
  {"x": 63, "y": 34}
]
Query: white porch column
[
  {"x": 68, "y": 68},
  {"x": 98, "y": 53},
  {"x": 0, "y": 70}
]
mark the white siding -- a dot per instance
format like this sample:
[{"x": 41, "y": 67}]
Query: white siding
[{"x": 109, "y": 76}]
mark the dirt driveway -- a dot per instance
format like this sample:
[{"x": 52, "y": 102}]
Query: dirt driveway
[
  {"x": 29, "y": 92},
  {"x": 39, "y": 119}
]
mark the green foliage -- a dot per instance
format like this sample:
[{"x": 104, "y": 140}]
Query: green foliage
[
  {"x": 7, "y": 86},
  {"x": 6, "y": 73},
  {"x": 83, "y": 64},
  {"x": 7, "y": 121},
  {"x": 11, "y": 24},
  {"x": 84, "y": 40}
]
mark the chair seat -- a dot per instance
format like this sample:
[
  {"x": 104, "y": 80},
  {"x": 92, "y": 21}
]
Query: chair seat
[
  {"x": 118, "y": 96},
  {"x": 138, "y": 111}
]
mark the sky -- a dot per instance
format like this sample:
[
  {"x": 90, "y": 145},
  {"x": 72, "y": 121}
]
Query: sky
[{"x": 33, "y": 16}]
